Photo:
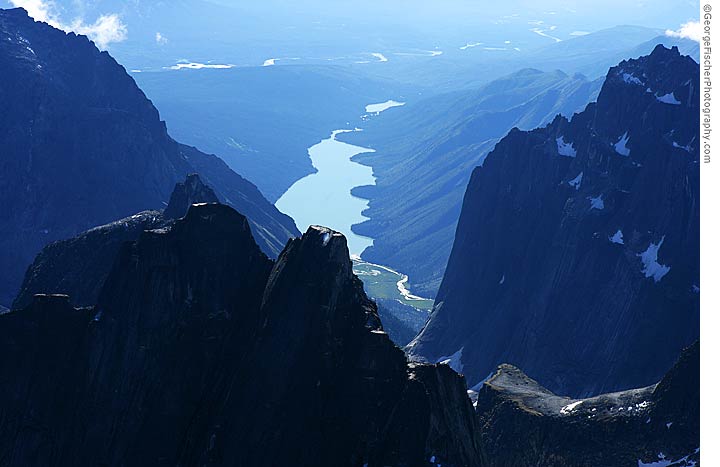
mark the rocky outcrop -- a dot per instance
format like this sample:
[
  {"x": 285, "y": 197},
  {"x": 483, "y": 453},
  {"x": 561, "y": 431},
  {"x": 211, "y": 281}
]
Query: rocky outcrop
[
  {"x": 577, "y": 251},
  {"x": 187, "y": 193},
  {"x": 202, "y": 351},
  {"x": 523, "y": 423},
  {"x": 82, "y": 146},
  {"x": 78, "y": 267}
]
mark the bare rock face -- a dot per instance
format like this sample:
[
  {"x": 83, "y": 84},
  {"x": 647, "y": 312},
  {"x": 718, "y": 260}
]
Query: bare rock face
[
  {"x": 523, "y": 423},
  {"x": 78, "y": 266},
  {"x": 202, "y": 351},
  {"x": 83, "y": 146},
  {"x": 576, "y": 257},
  {"x": 191, "y": 191}
]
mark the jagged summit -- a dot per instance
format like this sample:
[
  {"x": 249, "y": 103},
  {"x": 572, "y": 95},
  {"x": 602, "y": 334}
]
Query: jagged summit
[
  {"x": 660, "y": 73},
  {"x": 202, "y": 351},
  {"x": 186, "y": 193},
  {"x": 57, "y": 269},
  {"x": 212, "y": 221},
  {"x": 321, "y": 245},
  {"x": 328, "y": 243}
]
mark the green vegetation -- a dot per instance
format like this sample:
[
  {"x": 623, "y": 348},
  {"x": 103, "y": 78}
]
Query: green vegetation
[{"x": 383, "y": 283}]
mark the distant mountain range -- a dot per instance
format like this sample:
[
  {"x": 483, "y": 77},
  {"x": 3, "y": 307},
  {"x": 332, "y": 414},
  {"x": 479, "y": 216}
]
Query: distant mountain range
[
  {"x": 577, "y": 250},
  {"x": 590, "y": 54},
  {"x": 83, "y": 146}
]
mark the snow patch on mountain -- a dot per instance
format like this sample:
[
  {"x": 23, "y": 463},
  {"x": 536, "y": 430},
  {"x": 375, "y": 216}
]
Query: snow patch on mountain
[
  {"x": 668, "y": 98},
  {"x": 564, "y": 148},
  {"x": 651, "y": 266},
  {"x": 570, "y": 407},
  {"x": 632, "y": 79},
  {"x": 618, "y": 238},
  {"x": 685, "y": 148},
  {"x": 621, "y": 145},
  {"x": 597, "y": 203},
  {"x": 664, "y": 461},
  {"x": 576, "y": 182}
]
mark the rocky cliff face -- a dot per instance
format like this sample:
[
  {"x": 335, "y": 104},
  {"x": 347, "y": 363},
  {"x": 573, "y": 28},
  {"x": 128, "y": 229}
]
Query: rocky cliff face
[
  {"x": 202, "y": 351},
  {"x": 77, "y": 267},
  {"x": 83, "y": 146},
  {"x": 525, "y": 424},
  {"x": 576, "y": 256}
]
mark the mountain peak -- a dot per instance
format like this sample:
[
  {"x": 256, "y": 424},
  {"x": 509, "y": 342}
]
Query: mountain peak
[
  {"x": 320, "y": 257},
  {"x": 665, "y": 76},
  {"x": 322, "y": 245},
  {"x": 326, "y": 237},
  {"x": 186, "y": 193},
  {"x": 660, "y": 49},
  {"x": 211, "y": 222},
  {"x": 595, "y": 203}
]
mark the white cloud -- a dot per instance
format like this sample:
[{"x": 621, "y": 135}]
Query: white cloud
[
  {"x": 160, "y": 39},
  {"x": 690, "y": 30},
  {"x": 105, "y": 30}
]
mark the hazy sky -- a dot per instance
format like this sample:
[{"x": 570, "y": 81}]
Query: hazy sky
[
  {"x": 604, "y": 13},
  {"x": 164, "y": 21}
]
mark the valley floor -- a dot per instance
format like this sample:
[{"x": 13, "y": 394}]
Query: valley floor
[{"x": 381, "y": 282}]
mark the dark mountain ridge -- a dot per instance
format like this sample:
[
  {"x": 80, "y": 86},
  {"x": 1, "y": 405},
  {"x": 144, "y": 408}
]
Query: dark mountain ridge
[
  {"x": 201, "y": 350},
  {"x": 83, "y": 146},
  {"x": 78, "y": 266},
  {"x": 578, "y": 243}
]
